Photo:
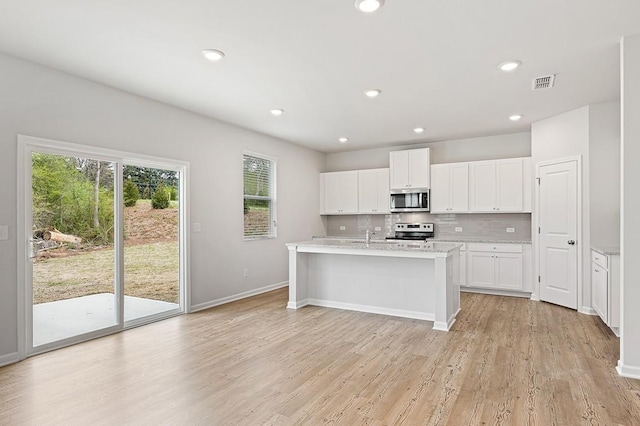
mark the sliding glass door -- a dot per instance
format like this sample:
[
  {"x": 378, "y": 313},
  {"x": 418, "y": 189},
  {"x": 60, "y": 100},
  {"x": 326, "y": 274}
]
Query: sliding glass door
[{"x": 103, "y": 241}]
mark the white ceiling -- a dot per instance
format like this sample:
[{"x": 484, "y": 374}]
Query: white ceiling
[{"x": 435, "y": 61}]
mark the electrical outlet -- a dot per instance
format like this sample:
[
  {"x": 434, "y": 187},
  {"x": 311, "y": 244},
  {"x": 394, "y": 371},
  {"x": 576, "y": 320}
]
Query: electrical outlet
[
  {"x": 511, "y": 229},
  {"x": 246, "y": 272},
  {"x": 458, "y": 228},
  {"x": 343, "y": 228},
  {"x": 377, "y": 228},
  {"x": 197, "y": 227},
  {"x": 4, "y": 232}
]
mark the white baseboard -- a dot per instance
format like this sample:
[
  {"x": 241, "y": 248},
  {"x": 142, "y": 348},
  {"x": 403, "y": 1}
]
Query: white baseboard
[
  {"x": 373, "y": 309},
  {"x": 629, "y": 371},
  {"x": 9, "y": 359},
  {"x": 587, "y": 311},
  {"x": 233, "y": 298},
  {"x": 495, "y": 292},
  {"x": 297, "y": 305}
]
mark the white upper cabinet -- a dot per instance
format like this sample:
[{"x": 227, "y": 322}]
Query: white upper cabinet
[
  {"x": 500, "y": 186},
  {"x": 450, "y": 188},
  {"x": 373, "y": 191},
  {"x": 409, "y": 169},
  {"x": 339, "y": 193}
]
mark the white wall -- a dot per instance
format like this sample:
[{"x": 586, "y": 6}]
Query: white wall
[
  {"x": 604, "y": 177},
  {"x": 484, "y": 148},
  {"x": 41, "y": 102},
  {"x": 562, "y": 136},
  {"x": 629, "y": 363}
]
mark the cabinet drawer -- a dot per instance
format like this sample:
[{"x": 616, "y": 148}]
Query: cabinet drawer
[
  {"x": 501, "y": 248},
  {"x": 600, "y": 259}
]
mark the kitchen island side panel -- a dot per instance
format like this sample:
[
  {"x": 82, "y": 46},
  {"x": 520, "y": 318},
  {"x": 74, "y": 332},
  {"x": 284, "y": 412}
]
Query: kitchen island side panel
[{"x": 394, "y": 284}]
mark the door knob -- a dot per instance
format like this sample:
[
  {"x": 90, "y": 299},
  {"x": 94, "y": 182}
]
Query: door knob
[{"x": 571, "y": 243}]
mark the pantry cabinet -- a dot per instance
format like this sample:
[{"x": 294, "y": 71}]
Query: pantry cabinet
[
  {"x": 409, "y": 169},
  {"x": 450, "y": 188},
  {"x": 373, "y": 191},
  {"x": 339, "y": 193},
  {"x": 605, "y": 285}
]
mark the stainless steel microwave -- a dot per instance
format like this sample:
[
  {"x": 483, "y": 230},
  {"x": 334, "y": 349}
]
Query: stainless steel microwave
[{"x": 410, "y": 201}]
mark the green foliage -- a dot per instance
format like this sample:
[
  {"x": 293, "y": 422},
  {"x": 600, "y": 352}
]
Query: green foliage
[
  {"x": 160, "y": 199},
  {"x": 148, "y": 179},
  {"x": 131, "y": 193},
  {"x": 63, "y": 198},
  {"x": 173, "y": 193}
]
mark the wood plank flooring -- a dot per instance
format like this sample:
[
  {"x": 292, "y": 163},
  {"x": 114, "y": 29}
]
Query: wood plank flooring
[{"x": 507, "y": 361}]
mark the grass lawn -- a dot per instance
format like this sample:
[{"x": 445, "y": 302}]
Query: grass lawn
[{"x": 151, "y": 272}]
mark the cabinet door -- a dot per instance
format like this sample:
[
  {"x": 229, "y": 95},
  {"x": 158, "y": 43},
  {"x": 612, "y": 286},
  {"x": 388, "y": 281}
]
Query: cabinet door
[
  {"x": 481, "y": 269},
  {"x": 373, "y": 191},
  {"x": 348, "y": 192},
  {"x": 331, "y": 193},
  {"x": 459, "y": 188},
  {"x": 440, "y": 188},
  {"x": 508, "y": 271},
  {"x": 367, "y": 197},
  {"x": 599, "y": 288},
  {"x": 482, "y": 184},
  {"x": 419, "y": 168},
  {"x": 382, "y": 191},
  {"x": 399, "y": 169},
  {"x": 509, "y": 185},
  {"x": 463, "y": 268}
]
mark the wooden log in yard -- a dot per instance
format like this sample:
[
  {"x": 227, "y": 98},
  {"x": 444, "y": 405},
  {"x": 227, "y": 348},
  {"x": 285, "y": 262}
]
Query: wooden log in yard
[{"x": 56, "y": 235}]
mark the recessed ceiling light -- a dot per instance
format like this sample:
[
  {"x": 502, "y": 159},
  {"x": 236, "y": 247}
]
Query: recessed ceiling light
[
  {"x": 509, "y": 65},
  {"x": 277, "y": 111},
  {"x": 418, "y": 129},
  {"x": 369, "y": 6},
  {"x": 515, "y": 117},
  {"x": 343, "y": 140},
  {"x": 372, "y": 93},
  {"x": 213, "y": 54}
]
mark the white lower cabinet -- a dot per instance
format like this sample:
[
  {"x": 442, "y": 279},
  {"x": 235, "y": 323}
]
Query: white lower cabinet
[
  {"x": 496, "y": 266},
  {"x": 605, "y": 288}
]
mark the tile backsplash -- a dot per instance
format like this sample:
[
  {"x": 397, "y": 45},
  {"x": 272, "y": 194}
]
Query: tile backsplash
[{"x": 493, "y": 225}]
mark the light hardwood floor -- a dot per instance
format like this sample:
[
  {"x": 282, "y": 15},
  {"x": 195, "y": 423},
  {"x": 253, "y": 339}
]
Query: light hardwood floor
[{"x": 252, "y": 362}]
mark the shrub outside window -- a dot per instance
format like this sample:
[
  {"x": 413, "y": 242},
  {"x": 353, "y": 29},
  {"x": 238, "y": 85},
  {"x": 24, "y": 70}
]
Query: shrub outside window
[{"x": 259, "y": 196}]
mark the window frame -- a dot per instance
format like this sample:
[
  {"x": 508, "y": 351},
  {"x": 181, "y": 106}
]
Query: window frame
[{"x": 273, "y": 222}]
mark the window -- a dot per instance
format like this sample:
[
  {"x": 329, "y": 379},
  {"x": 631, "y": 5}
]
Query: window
[{"x": 259, "y": 196}]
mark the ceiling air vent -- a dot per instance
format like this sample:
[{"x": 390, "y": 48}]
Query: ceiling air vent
[{"x": 545, "y": 82}]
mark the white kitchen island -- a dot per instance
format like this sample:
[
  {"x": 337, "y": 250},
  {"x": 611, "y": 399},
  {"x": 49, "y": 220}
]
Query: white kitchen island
[{"x": 405, "y": 279}]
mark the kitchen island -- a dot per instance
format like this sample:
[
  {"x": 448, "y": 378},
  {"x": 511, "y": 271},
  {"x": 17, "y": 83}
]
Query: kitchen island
[{"x": 405, "y": 279}]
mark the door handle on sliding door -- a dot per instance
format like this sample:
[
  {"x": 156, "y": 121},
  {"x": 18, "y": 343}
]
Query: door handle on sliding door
[{"x": 33, "y": 249}]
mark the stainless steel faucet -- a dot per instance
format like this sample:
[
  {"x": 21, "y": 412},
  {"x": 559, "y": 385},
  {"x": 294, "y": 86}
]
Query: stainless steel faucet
[{"x": 368, "y": 235}]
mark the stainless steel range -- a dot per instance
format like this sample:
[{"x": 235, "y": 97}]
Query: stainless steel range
[{"x": 412, "y": 231}]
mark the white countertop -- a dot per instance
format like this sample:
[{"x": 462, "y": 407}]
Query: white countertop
[
  {"x": 607, "y": 251},
  {"x": 438, "y": 240},
  {"x": 379, "y": 245}
]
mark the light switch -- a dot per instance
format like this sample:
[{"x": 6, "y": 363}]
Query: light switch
[
  {"x": 511, "y": 229},
  {"x": 197, "y": 227},
  {"x": 458, "y": 228},
  {"x": 343, "y": 228},
  {"x": 4, "y": 233}
]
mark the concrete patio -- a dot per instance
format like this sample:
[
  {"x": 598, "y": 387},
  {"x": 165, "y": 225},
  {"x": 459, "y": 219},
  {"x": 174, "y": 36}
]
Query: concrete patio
[{"x": 62, "y": 319}]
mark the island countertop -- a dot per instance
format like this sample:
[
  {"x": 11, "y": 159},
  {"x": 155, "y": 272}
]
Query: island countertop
[{"x": 378, "y": 247}]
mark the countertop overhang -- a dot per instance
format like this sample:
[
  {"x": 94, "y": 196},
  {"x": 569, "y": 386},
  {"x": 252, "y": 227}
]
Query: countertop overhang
[{"x": 409, "y": 249}]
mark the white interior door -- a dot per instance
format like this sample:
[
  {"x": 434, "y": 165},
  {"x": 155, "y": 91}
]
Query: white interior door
[{"x": 558, "y": 221}]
